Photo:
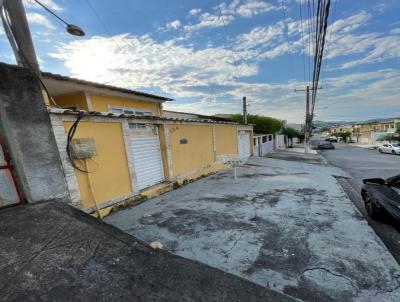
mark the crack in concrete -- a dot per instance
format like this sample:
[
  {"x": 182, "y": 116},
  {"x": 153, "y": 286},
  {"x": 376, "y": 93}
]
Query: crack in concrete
[
  {"x": 382, "y": 291},
  {"x": 332, "y": 273}
]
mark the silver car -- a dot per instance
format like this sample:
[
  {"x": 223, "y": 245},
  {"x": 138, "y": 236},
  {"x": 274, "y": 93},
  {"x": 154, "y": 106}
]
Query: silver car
[{"x": 390, "y": 148}]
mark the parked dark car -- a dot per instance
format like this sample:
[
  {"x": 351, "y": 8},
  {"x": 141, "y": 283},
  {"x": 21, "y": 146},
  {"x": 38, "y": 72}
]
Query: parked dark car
[
  {"x": 325, "y": 146},
  {"x": 332, "y": 139},
  {"x": 382, "y": 196}
]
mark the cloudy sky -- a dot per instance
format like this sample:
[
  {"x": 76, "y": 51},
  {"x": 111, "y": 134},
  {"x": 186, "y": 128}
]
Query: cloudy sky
[{"x": 208, "y": 54}]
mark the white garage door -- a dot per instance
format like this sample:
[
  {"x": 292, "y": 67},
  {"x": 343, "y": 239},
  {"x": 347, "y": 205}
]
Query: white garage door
[
  {"x": 145, "y": 145},
  {"x": 244, "y": 144}
]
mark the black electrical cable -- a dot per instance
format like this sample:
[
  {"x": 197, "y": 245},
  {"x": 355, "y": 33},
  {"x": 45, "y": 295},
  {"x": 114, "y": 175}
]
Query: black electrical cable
[
  {"x": 51, "y": 12},
  {"x": 70, "y": 136}
]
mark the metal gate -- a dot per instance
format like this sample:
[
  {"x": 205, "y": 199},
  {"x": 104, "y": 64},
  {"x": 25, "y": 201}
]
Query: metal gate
[
  {"x": 145, "y": 144},
  {"x": 9, "y": 194}
]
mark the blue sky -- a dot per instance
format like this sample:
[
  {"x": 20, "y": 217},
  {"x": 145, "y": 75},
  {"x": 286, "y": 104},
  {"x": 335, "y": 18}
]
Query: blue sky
[{"x": 182, "y": 49}]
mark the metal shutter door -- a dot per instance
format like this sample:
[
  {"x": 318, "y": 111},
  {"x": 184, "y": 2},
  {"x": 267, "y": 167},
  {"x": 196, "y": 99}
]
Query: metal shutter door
[{"x": 147, "y": 160}]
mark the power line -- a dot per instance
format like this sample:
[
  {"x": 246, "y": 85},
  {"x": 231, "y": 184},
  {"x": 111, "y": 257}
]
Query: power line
[
  {"x": 321, "y": 28},
  {"x": 93, "y": 9},
  {"x": 302, "y": 39},
  {"x": 221, "y": 17},
  {"x": 287, "y": 37},
  {"x": 310, "y": 18},
  {"x": 331, "y": 29}
]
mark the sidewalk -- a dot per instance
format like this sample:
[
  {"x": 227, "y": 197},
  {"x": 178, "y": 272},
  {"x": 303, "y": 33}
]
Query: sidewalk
[
  {"x": 300, "y": 149},
  {"x": 53, "y": 252},
  {"x": 285, "y": 225},
  {"x": 366, "y": 146}
]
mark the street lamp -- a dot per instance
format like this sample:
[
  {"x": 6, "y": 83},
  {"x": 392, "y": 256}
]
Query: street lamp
[{"x": 75, "y": 30}]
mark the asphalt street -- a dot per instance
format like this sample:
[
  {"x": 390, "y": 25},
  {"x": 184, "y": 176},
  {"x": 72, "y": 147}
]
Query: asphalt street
[{"x": 362, "y": 163}]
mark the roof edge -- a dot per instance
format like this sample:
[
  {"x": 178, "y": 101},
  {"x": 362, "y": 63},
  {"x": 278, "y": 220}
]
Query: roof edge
[
  {"x": 60, "y": 111},
  {"x": 59, "y": 77}
]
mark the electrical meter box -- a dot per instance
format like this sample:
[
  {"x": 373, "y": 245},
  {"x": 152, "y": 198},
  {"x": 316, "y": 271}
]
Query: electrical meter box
[{"x": 83, "y": 148}]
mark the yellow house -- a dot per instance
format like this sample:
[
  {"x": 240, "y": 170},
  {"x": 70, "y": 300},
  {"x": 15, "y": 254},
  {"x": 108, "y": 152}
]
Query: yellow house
[
  {"x": 124, "y": 147},
  {"x": 78, "y": 94}
]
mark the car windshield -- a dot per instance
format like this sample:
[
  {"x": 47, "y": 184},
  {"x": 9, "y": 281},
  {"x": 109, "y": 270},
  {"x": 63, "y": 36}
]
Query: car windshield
[{"x": 396, "y": 145}]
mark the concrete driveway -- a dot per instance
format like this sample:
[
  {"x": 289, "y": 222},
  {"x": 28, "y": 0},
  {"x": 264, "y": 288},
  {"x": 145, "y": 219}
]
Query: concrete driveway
[{"x": 283, "y": 224}]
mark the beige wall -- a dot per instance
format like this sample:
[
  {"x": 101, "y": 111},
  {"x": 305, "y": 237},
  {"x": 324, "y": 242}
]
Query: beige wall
[
  {"x": 111, "y": 179},
  {"x": 226, "y": 139},
  {"x": 197, "y": 153},
  {"x": 109, "y": 176},
  {"x": 100, "y": 103},
  {"x": 76, "y": 99}
]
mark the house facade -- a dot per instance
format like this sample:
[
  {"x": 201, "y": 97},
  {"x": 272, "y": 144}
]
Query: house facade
[
  {"x": 367, "y": 133},
  {"x": 130, "y": 149}
]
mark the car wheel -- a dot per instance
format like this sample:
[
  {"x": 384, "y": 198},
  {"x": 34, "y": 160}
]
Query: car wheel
[
  {"x": 393, "y": 152},
  {"x": 371, "y": 208},
  {"x": 380, "y": 151}
]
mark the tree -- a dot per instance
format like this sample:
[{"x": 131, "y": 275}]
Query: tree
[
  {"x": 397, "y": 128},
  {"x": 388, "y": 137},
  {"x": 344, "y": 135},
  {"x": 291, "y": 133},
  {"x": 262, "y": 124}
]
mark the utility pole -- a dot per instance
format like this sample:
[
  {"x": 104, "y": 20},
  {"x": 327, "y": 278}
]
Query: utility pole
[
  {"x": 308, "y": 120},
  {"x": 307, "y": 126},
  {"x": 18, "y": 33},
  {"x": 244, "y": 110}
]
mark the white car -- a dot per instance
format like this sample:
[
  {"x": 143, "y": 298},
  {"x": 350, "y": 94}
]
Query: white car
[{"x": 390, "y": 148}]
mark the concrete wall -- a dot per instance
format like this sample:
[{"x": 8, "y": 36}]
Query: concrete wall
[
  {"x": 250, "y": 130},
  {"x": 226, "y": 140},
  {"x": 263, "y": 148},
  {"x": 26, "y": 128},
  {"x": 108, "y": 176},
  {"x": 280, "y": 141},
  {"x": 189, "y": 150},
  {"x": 196, "y": 154}
]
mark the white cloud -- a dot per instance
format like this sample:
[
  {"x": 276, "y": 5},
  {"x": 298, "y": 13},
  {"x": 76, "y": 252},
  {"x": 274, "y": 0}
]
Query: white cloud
[
  {"x": 48, "y": 3},
  {"x": 136, "y": 62},
  {"x": 365, "y": 93},
  {"x": 260, "y": 36},
  {"x": 39, "y": 19},
  {"x": 207, "y": 20},
  {"x": 395, "y": 31},
  {"x": 343, "y": 39},
  {"x": 372, "y": 47},
  {"x": 174, "y": 24},
  {"x": 195, "y": 11},
  {"x": 382, "y": 49},
  {"x": 254, "y": 7},
  {"x": 229, "y": 12}
]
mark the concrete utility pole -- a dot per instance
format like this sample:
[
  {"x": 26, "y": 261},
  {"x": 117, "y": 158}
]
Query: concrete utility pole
[
  {"x": 244, "y": 110},
  {"x": 18, "y": 33},
  {"x": 307, "y": 127},
  {"x": 308, "y": 121}
]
